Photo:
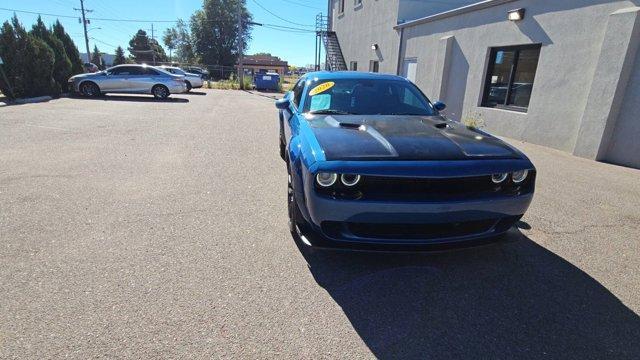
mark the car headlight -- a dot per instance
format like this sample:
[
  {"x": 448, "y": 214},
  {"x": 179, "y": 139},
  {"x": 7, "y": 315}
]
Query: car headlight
[
  {"x": 326, "y": 179},
  {"x": 349, "y": 179},
  {"x": 498, "y": 178},
  {"x": 519, "y": 176}
]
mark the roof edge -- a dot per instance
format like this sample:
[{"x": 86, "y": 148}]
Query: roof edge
[{"x": 454, "y": 12}]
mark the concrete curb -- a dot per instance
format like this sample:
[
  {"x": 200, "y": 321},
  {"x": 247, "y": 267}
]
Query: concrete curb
[{"x": 32, "y": 100}]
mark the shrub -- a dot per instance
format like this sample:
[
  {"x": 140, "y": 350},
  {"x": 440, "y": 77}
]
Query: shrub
[{"x": 28, "y": 62}]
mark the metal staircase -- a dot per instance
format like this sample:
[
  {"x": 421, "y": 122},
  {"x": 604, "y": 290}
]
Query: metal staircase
[{"x": 334, "y": 60}]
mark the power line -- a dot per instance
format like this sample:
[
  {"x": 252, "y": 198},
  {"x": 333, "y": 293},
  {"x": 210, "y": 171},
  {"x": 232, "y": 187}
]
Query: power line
[
  {"x": 301, "y": 4},
  {"x": 147, "y": 20},
  {"x": 102, "y": 42},
  {"x": 39, "y": 13},
  {"x": 276, "y": 15}
]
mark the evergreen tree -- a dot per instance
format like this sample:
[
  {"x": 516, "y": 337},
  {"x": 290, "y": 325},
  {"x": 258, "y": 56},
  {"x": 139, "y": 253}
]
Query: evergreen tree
[
  {"x": 146, "y": 50},
  {"x": 62, "y": 64},
  {"x": 13, "y": 66},
  {"x": 28, "y": 62},
  {"x": 214, "y": 31},
  {"x": 96, "y": 57},
  {"x": 119, "y": 59},
  {"x": 70, "y": 48}
]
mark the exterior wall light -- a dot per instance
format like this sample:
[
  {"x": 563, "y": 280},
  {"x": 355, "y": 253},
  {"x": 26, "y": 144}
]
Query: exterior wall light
[
  {"x": 516, "y": 14},
  {"x": 374, "y": 46}
]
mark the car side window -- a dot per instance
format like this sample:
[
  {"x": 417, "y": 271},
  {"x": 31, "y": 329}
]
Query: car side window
[
  {"x": 297, "y": 92},
  {"x": 128, "y": 70},
  {"x": 149, "y": 71}
]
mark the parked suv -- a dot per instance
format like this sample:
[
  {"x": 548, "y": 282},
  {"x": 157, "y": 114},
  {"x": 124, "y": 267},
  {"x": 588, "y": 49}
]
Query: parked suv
[{"x": 132, "y": 78}]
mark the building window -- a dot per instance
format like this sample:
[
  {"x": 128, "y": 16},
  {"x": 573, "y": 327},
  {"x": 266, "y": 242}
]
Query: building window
[
  {"x": 357, "y": 3},
  {"x": 353, "y": 66},
  {"x": 510, "y": 77},
  {"x": 341, "y": 6},
  {"x": 374, "y": 66}
]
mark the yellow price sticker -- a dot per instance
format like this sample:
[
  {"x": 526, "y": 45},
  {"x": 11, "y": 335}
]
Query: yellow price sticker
[{"x": 321, "y": 88}]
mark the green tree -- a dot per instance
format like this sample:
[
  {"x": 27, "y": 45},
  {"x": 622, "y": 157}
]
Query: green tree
[
  {"x": 62, "y": 65},
  {"x": 96, "y": 57},
  {"x": 170, "y": 40},
  {"x": 214, "y": 31},
  {"x": 146, "y": 50},
  {"x": 28, "y": 62},
  {"x": 184, "y": 45},
  {"x": 70, "y": 48},
  {"x": 119, "y": 59}
]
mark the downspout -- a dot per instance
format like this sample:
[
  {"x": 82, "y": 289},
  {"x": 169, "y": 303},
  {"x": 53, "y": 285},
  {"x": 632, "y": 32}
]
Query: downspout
[
  {"x": 329, "y": 16},
  {"x": 398, "y": 68},
  {"x": 329, "y": 28}
]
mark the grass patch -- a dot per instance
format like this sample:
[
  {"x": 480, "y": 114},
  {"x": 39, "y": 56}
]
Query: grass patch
[{"x": 231, "y": 84}]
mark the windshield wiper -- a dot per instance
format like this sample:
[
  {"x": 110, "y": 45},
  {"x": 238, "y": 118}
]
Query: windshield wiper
[
  {"x": 408, "y": 114},
  {"x": 330, "y": 112}
]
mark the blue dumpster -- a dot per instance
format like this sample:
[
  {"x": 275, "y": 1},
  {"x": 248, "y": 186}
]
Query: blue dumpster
[{"x": 266, "y": 81}]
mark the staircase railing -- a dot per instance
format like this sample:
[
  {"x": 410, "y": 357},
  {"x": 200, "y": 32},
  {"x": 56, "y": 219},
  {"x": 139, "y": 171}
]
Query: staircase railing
[{"x": 334, "y": 59}]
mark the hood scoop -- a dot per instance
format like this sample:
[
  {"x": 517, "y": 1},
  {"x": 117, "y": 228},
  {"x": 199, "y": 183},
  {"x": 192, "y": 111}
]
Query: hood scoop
[{"x": 353, "y": 126}]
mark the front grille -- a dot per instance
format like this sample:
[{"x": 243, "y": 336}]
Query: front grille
[
  {"x": 382, "y": 188},
  {"x": 407, "y": 231}
]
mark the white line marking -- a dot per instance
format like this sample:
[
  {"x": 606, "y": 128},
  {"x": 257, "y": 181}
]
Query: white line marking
[{"x": 47, "y": 127}]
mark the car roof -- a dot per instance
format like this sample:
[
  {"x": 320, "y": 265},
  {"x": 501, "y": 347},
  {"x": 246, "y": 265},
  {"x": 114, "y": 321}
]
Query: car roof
[
  {"x": 138, "y": 65},
  {"x": 337, "y": 75}
]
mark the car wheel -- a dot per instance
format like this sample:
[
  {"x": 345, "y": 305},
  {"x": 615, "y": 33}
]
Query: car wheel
[
  {"x": 295, "y": 218},
  {"x": 189, "y": 87},
  {"x": 160, "y": 92},
  {"x": 89, "y": 89}
]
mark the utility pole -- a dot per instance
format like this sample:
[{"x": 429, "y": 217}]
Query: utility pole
[
  {"x": 84, "y": 24},
  {"x": 240, "y": 65}
]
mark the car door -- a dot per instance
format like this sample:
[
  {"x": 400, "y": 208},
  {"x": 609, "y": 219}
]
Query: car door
[
  {"x": 113, "y": 80},
  {"x": 140, "y": 79}
]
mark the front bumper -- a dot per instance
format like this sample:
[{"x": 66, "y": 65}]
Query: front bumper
[
  {"x": 353, "y": 223},
  {"x": 176, "y": 88}
]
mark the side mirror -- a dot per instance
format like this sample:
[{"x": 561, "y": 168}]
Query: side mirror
[
  {"x": 439, "y": 105},
  {"x": 282, "y": 104}
]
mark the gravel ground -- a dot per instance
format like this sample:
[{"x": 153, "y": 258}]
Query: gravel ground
[{"x": 131, "y": 228}]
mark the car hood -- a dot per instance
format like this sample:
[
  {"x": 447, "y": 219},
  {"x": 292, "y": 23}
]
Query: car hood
[
  {"x": 86, "y": 75},
  {"x": 391, "y": 137}
]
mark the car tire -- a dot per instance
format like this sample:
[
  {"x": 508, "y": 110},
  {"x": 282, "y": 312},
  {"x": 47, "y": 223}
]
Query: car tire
[
  {"x": 189, "y": 87},
  {"x": 160, "y": 92},
  {"x": 295, "y": 218},
  {"x": 283, "y": 151},
  {"x": 89, "y": 89}
]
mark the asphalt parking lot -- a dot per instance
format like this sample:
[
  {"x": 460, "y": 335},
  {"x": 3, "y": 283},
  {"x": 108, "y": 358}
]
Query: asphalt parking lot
[{"x": 131, "y": 228}]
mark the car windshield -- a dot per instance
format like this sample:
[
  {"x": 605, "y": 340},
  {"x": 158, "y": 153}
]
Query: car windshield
[{"x": 366, "y": 97}]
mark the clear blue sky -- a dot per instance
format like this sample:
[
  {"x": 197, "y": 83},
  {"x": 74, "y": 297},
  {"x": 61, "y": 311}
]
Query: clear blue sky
[{"x": 295, "y": 47}]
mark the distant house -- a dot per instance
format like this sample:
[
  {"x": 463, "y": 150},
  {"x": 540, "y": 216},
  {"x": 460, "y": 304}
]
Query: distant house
[
  {"x": 107, "y": 59},
  {"x": 253, "y": 64}
]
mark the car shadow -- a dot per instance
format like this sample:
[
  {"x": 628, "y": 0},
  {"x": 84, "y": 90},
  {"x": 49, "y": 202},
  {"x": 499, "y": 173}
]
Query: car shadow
[
  {"x": 194, "y": 93},
  {"x": 510, "y": 299},
  {"x": 133, "y": 98}
]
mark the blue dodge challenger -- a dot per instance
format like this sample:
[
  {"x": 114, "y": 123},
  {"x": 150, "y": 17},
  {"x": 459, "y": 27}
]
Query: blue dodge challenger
[{"x": 373, "y": 164}]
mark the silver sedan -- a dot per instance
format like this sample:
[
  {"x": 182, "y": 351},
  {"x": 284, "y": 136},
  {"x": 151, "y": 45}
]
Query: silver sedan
[
  {"x": 193, "y": 80},
  {"x": 132, "y": 79}
]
